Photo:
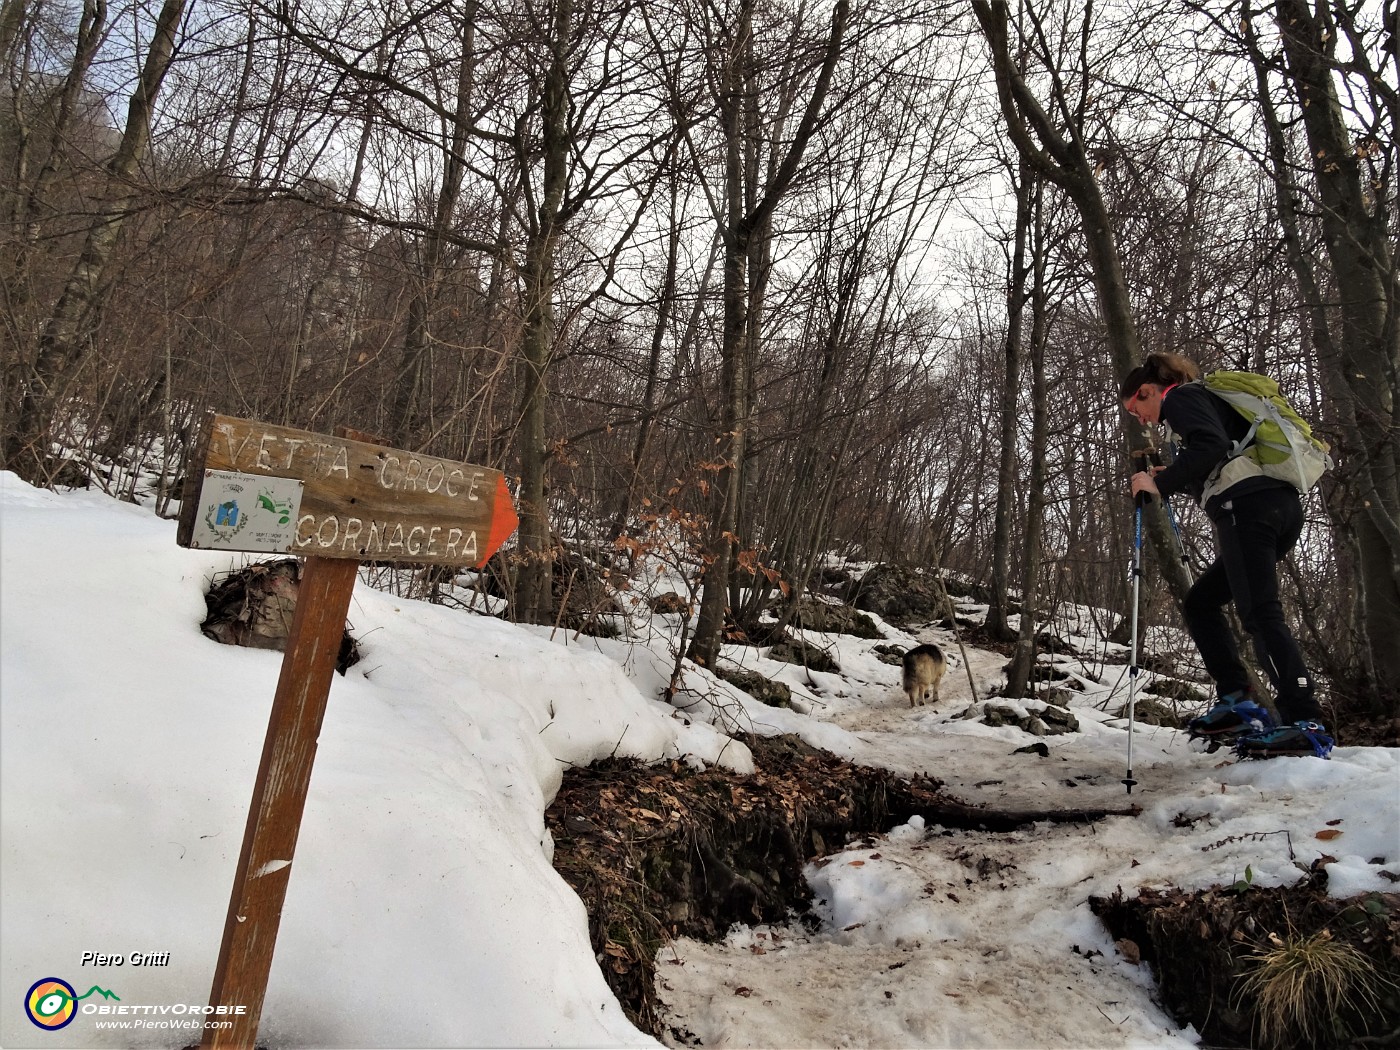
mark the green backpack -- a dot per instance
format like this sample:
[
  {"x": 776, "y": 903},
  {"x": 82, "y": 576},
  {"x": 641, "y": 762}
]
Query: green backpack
[{"x": 1280, "y": 442}]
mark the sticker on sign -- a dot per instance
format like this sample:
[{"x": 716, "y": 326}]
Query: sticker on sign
[{"x": 245, "y": 512}]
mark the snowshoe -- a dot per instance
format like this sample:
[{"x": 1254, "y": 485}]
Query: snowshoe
[
  {"x": 1299, "y": 738},
  {"x": 1233, "y": 716}
]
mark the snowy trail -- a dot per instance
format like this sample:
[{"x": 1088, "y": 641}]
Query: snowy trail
[
  {"x": 979, "y": 766},
  {"x": 980, "y": 952},
  {"x": 932, "y": 937},
  {"x": 989, "y": 930},
  {"x": 964, "y": 940}
]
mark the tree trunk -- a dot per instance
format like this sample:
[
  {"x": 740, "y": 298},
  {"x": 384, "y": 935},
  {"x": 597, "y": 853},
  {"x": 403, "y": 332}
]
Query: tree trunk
[
  {"x": 1010, "y": 401},
  {"x": 63, "y": 341},
  {"x": 734, "y": 364},
  {"x": 1062, "y": 158},
  {"x": 534, "y": 596},
  {"x": 1018, "y": 675},
  {"x": 742, "y": 223},
  {"x": 1341, "y": 506},
  {"x": 1355, "y": 233}
]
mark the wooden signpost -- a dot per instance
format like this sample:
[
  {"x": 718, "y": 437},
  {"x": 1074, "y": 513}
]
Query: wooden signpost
[
  {"x": 264, "y": 488},
  {"x": 337, "y": 501}
]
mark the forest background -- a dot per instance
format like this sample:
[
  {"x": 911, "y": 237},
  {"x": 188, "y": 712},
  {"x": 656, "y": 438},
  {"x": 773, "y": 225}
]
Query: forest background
[{"x": 735, "y": 283}]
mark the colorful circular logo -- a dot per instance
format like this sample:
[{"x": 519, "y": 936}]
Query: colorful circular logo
[{"x": 51, "y": 1003}]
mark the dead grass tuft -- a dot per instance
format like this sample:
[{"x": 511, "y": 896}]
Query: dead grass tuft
[{"x": 1300, "y": 985}]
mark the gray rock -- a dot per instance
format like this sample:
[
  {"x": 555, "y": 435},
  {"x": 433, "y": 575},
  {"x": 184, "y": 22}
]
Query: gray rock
[
  {"x": 809, "y": 656},
  {"x": 764, "y": 690},
  {"x": 813, "y": 615}
]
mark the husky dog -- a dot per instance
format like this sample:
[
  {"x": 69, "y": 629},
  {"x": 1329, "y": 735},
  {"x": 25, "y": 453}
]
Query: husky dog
[{"x": 923, "y": 670}]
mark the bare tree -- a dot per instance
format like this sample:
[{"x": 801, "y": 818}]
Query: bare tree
[
  {"x": 1023, "y": 658},
  {"x": 1356, "y": 226},
  {"x": 1058, "y": 148},
  {"x": 744, "y": 217},
  {"x": 63, "y": 342},
  {"x": 1016, "y": 295}
]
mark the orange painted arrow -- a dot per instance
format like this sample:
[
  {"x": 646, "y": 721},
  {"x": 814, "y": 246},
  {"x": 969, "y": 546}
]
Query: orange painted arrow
[{"x": 504, "y": 521}]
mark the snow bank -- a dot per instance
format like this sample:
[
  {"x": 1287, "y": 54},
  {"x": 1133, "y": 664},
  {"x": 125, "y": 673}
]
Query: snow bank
[{"x": 422, "y": 909}]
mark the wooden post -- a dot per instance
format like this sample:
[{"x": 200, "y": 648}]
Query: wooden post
[
  {"x": 279, "y": 797},
  {"x": 343, "y": 499}
]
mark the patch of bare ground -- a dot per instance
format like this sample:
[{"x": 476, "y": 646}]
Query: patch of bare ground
[
  {"x": 1274, "y": 968},
  {"x": 662, "y": 851},
  {"x": 1362, "y": 731}
]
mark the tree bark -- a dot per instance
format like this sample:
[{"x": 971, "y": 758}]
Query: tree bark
[
  {"x": 1354, "y": 231},
  {"x": 533, "y": 585},
  {"x": 1010, "y": 401},
  {"x": 1341, "y": 509},
  {"x": 1023, "y": 659}
]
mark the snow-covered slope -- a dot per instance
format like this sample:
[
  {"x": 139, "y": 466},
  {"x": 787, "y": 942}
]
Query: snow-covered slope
[{"x": 422, "y": 908}]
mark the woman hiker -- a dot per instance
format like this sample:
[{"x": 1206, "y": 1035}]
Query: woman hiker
[{"x": 1257, "y": 521}]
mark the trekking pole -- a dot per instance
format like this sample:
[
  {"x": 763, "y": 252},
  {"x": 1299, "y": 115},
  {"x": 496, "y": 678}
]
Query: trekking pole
[
  {"x": 1149, "y": 458},
  {"x": 1141, "y": 498},
  {"x": 1180, "y": 546}
]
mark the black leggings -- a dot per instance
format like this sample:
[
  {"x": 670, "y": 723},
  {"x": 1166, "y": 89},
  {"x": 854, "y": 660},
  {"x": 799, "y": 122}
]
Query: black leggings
[{"x": 1252, "y": 535}]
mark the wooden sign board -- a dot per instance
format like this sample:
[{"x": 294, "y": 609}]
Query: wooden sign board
[{"x": 256, "y": 487}]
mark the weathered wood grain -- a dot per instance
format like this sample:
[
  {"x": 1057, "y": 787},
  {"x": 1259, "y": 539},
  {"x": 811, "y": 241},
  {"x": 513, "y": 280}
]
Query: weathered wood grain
[{"x": 279, "y": 797}]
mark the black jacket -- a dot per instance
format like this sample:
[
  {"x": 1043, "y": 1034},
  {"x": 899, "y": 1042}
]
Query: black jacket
[{"x": 1205, "y": 429}]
